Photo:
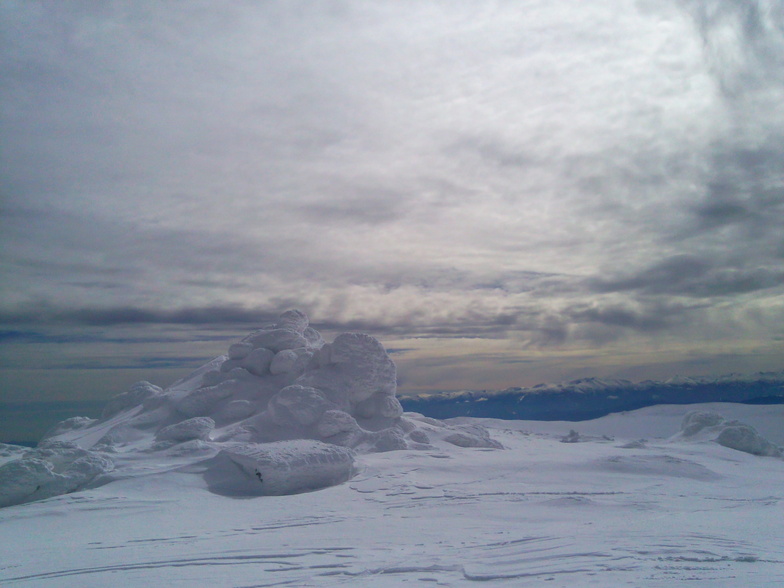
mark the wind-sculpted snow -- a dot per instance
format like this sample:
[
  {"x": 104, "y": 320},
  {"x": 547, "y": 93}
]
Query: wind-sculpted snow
[
  {"x": 607, "y": 509},
  {"x": 52, "y": 469},
  {"x": 711, "y": 426},
  {"x": 282, "y": 467},
  {"x": 281, "y": 383}
]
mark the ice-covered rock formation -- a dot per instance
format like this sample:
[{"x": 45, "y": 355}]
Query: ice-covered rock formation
[
  {"x": 281, "y": 467},
  {"x": 49, "y": 470},
  {"x": 279, "y": 384},
  {"x": 711, "y": 426}
]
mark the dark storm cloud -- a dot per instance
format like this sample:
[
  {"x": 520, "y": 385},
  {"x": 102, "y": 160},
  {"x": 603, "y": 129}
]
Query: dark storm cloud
[
  {"x": 208, "y": 315},
  {"x": 744, "y": 192},
  {"x": 141, "y": 363},
  {"x": 690, "y": 275},
  {"x": 720, "y": 210},
  {"x": 648, "y": 318},
  {"x": 756, "y": 56},
  {"x": 19, "y": 336}
]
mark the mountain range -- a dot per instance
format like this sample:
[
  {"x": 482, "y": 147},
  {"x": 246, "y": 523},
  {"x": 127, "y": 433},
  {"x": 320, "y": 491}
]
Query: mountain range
[{"x": 590, "y": 398}]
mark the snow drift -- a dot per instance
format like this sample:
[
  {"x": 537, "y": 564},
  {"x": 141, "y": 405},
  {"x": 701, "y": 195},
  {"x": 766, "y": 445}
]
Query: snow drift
[
  {"x": 241, "y": 415},
  {"x": 711, "y": 426}
]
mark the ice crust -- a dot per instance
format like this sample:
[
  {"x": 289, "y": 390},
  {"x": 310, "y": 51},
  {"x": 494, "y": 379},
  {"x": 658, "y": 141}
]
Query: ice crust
[{"x": 281, "y": 400}]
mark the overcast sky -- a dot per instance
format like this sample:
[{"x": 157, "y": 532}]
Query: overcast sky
[{"x": 505, "y": 193}]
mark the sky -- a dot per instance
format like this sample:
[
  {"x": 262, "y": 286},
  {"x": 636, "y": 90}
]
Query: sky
[{"x": 504, "y": 193}]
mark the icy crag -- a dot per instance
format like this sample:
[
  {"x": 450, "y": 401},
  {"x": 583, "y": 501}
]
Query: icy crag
[{"x": 242, "y": 417}]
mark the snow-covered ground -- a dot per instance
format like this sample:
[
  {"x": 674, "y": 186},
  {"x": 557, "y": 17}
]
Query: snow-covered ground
[
  {"x": 207, "y": 484},
  {"x": 606, "y": 511}
]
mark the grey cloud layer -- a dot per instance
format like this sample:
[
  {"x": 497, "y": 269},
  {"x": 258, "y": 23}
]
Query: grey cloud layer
[{"x": 555, "y": 173}]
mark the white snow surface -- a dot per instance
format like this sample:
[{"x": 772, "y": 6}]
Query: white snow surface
[
  {"x": 607, "y": 510},
  {"x": 166, "y": 497}
]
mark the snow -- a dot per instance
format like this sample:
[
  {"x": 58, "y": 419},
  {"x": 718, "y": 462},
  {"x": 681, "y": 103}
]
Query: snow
[
  {"x": 51, "y": 469},
  {"x": 281, "y": 383},
  {"x": 195, "y": 428},
  {"x": 317, "y": 479},
  {"x": 596, "y": 512},
  {"x": 735, "y": 434},
  {"x": 282, "y": 467}
]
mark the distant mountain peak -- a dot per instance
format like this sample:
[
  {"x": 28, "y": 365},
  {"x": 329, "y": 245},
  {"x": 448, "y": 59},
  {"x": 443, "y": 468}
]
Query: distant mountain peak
[{"x": 592, "y": 397}]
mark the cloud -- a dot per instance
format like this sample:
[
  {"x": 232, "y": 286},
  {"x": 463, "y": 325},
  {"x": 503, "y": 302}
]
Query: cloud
[
  {"x": 743, "y": 42},
  {"x": 691, "y": 275},
  {"x": 645, "y": 318},
  {"x": 208, "y": 315},
  {"x": 546, "y": 175}
]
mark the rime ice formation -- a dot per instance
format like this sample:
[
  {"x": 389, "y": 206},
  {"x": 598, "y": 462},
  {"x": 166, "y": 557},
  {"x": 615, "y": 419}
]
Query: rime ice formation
[
  {"x": 711, "y": 426},
  {"x": 282, "y": 412},
  {"x": 281, "y": 467},
  {"x": 51, "y": 469}
]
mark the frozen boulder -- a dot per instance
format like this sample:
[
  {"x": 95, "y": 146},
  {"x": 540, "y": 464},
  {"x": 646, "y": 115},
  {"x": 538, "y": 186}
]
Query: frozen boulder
[
  {"x": 313, "y": 337},
  {"x": 212, "y": 378},
  {"x": 353, "y": 369},
  {"x": 293, "y": 320},
  {"x": 334, "y": 422},
  {"x": 391, "y": 439},
  {"x": 291, "y": 361},
  {"x": 258, "y": 361},
  {"x": 283, "y": 362},
  {"x": 298, "y": 406},
  {"x": 240, "y": 350},
  {"x": 56, "y": 469},
  {"x": 237, "y": 410},
  {"x": 276, "y": 339},
  {"x": 230, "y": 364},
  {"x": 282, "y": 467},
  {"x": 187, "y": 430},
  {"x": 711, "y": 426},
  {"x": 746, "y": 438},
  {"x": 695, "y": 421},
  {"x": 202, "y": 401},
  {"x": 380, "y": 404}
]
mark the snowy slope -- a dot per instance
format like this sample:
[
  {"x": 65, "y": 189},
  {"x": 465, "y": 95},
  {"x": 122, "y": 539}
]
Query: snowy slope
[
  {"x": 191, "y": 486},
  {"x": 594, "y": 513}
]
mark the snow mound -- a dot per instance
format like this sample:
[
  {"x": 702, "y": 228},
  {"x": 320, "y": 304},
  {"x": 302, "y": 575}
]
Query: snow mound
[
  {"x": 56, "y": 468},
  {"x": 280, "y": 384},
  {"x": 711, "y": 426},
  {"x": 282, "y": 467}
]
